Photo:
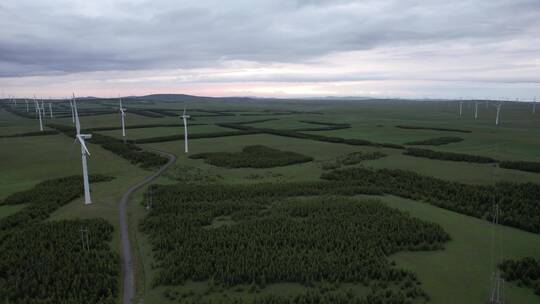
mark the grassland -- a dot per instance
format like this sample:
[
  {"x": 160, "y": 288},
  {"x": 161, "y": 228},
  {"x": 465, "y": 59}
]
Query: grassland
[{"x": 458, "y": 274}]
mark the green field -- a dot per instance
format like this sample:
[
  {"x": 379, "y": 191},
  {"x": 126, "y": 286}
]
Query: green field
[{"x": 458, "y": 274}]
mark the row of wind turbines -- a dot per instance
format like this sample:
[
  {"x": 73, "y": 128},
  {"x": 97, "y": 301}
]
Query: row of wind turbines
[
  {"x": 81, "y": 138},
  {"x": 498, "y": 106}
]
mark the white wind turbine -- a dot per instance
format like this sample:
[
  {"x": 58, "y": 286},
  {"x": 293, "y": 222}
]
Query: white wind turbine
[
  {"x": 50, "y": 109},
  {"x": 123, "y": 115},
  {"x": 84, "y": 151},
  {"x": 184, "y": 119},
  {"x": 498, "y": 112},
  {"x": 26, "y": 101},
  {"x": 476, "y": 110},
  {"x": 38, "y": 112},
  {"x": 460, "y": 108},
  {"x": 42, "y": 107},
  {"x": 72, "y": 112}
]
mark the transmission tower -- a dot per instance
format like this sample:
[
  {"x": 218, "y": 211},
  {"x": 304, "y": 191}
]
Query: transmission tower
[{"x": 496, "y": 292}]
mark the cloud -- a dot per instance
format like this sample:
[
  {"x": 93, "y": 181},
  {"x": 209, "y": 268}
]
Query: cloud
[
  {"x": 194, "y": 41},
  {"x": 76, "y": 36}
]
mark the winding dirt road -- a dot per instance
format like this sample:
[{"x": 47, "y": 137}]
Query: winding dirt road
[{"x": 127, "y": 262}]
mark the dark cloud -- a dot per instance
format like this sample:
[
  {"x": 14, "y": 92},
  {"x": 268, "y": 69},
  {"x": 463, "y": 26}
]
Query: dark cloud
[{"x": 61, "y": 36}]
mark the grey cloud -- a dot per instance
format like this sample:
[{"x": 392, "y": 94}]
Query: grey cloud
[{"x": 40, "y": 39}]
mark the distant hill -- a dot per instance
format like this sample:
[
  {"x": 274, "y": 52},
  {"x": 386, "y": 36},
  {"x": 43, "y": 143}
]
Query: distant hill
[{"x": 188, "y": 98}]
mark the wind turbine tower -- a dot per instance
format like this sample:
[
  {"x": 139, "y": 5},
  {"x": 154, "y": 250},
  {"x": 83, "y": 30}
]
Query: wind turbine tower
[
  {"x": 84, "y": 151},
  {"x": 50, "y": 109},
  {"x": 498, "y": 113},
  {"x": 185, "y": 118},
  {"x": 476, "y": 110},
  {"x": 460, "y": 108},
  {"x": 26, "y": 101},
  {"x": 72, "y": 112},
  {"x": 38, "y": 112},
  {"x": 123, "y": 116},
  {"x": 42, "y": 107}
]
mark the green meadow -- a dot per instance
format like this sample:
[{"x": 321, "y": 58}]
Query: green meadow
[{"x": 459, "y": 273}]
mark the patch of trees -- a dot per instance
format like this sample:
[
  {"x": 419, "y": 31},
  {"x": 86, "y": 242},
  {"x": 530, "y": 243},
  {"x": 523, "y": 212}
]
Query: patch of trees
[
  {"x": 316, "y": 137},
  {"x": 43, "y": 199},
  {"x": 256, "y": 156},
  {"x": 526, "y": 166},
  {"x": 517, "y": 202},
  {"x": 438, "y": 141},
  {"x": 129, "y": 150},
  {"x": 352, "y": 158},
  {"x": 37, "y": 133},
  {"x": 433, "y": 129},
  {"x": 521, "y": 165},
  {"x": 303, "y": 240},
  {"x": 139, "y": 127},
  {"x": 191, "y": 175},
  {"x": 327, "y": 126},
  {"x": 192, "y": 136},
  {"x": 146, "y": 113},
  {"x": 526, "y": 272},
  {"x": 379, "y": 293},
  {"x": 46, "y": 263},
  {"x": 66, "y": 261},
  {"x": 440, "y": 155}
]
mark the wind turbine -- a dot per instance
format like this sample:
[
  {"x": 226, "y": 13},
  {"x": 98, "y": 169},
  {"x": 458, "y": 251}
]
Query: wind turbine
[
  {"x": 50, "y": 109},
  {"x": 123, "y": 115},
  {"x": 498, "y": 112},
  {"x": 38, "y": 112},
  {"x": 72, "y": 112},
  {"x": 84, "y": 151},
  {"x": 184, "y": 118},
  {"x": 476, "y": 110},
  {"x": 42, "y": 107},
  {"x": 460, "y": 108}
]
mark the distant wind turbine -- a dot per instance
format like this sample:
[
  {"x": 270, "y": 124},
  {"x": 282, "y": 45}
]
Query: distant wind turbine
[
  {"x": 38, "y": 112},
  {"x": 185, "y": 118},
  {"x": 42, "y": 107},
  {"x": 460, "y": 108},
  {"x": 50, "y": 109},
  {"x": 123, "y": 115},
  {"x": 476, "y": 110},
  {"x": 84, "y": 151},
  {"x": 498, "y": 112}
]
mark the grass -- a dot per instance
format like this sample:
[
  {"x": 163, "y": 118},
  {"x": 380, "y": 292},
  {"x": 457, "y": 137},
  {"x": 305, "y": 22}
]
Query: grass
[
  {"x": 163, "y": 131},
  {"x": 6, "y": 210},
  {"x": 459, "y": 274}
]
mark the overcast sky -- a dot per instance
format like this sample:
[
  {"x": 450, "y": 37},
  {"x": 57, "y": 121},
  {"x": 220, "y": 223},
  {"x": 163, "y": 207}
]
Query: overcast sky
[{"x": 280, "y": 48}]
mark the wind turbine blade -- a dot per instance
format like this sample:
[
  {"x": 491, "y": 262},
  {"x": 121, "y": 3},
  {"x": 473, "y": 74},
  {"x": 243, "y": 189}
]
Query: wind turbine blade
[
  {"x": 77, "y": 123},
  {"x": 83, "y": 144}
]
